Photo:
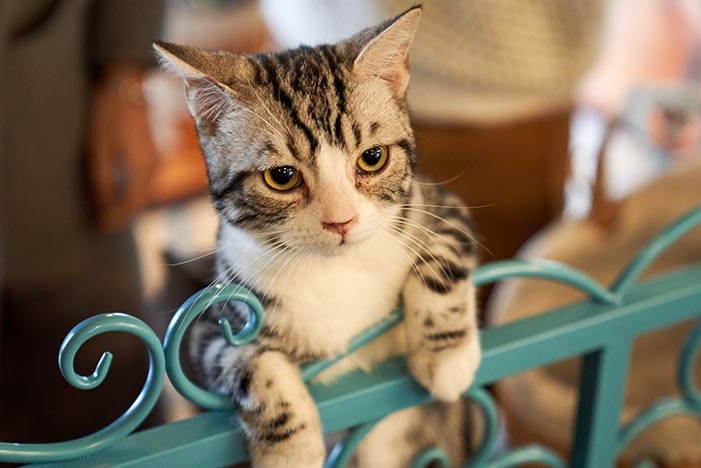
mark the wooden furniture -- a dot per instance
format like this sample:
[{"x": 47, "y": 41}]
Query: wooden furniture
[{"x": 513, "y": 174}]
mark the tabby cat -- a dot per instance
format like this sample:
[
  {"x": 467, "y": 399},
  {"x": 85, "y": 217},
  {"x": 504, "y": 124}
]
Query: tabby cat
[{"x": 311, "y": 163}]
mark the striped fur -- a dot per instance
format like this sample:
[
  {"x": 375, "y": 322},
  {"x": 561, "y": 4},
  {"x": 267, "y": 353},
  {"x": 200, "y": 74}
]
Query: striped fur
[{"x": 335, "y": 253}]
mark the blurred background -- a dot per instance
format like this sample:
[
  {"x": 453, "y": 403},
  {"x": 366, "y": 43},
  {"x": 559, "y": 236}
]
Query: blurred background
[{"x": 540, "y": 114}]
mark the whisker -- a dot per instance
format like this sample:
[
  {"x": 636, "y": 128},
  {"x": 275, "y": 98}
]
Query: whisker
[
  {"x": 257, "y": 271},
  {"x": 194, "y": 259},
  {"x": 445, "y": 181},
  {"x": 273, "y": 116},
  {"x": 469, "y": 207},
  {"x": 295, "y": 251},
  {"x": 408, "y": 222},
  {"x": 272, "y": 128},
  {"x": 422, "y": 246},
  {"x": 208, "y": 288},
  {"x": 217, "y": 249},
  {"x": 229, "y": 274},
  {"x": 272, "y": 248},
  {"x": 413, "y": 266},
  {"x": 296, "y": 257},
  {"x": 454, "y": 226}
]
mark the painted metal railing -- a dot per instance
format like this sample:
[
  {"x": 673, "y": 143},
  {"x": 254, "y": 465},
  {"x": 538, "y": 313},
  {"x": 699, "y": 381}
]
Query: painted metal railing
[{"x": 600, "y": 329}]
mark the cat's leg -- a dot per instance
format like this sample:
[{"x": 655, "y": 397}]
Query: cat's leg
[
  {"x": 280, "y": 420},
  {"x": 400, "y": 437},
  {"x": 441, "y": 317},
  {"x": 279, "y": 417}
]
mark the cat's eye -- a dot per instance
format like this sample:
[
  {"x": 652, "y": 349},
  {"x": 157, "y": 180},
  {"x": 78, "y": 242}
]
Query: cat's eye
[
  {"x": 282, "y": 178},
  {"x": 373, "y": 159}
]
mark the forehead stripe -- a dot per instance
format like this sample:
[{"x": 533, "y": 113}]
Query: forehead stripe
[
  {"x": 286, "y": 101},
  {"x": 339, "y": 88}
]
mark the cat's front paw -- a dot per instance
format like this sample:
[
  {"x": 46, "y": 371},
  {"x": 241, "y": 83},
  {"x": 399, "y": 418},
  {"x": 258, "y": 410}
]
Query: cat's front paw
[
  {"x": 279, "y": 417},
  {"x": 303, "y": 452},
  {"x": 449, "y": 372},
  {"x": 280, "y": 439}
]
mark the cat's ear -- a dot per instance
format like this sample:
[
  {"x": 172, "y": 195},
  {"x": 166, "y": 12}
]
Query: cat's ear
[
  {"x": 208, "y": 95},
  {"x": 386, "y": 54}
]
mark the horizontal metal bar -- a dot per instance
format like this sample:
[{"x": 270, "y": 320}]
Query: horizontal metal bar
[
  {"x": 584, "y": 327},
  {"x": 213, "y": 439}
]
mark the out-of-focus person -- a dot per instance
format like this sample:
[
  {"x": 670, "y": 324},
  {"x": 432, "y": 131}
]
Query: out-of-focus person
[{"x": 76, "y": 157}]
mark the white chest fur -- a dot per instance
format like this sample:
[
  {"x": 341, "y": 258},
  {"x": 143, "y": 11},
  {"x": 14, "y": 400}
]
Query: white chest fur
[{"x": 326, "y": 301}]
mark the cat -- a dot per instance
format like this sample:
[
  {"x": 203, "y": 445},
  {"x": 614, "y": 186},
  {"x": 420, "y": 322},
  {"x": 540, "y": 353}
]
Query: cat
[{"x": 311, "y": 162}]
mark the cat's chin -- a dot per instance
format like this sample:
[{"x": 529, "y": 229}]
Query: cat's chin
[
  {"x": 333, "y": 250},
  {"x": 339, "y": 248}
]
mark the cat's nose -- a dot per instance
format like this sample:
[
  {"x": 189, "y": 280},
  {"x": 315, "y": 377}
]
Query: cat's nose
[{"x": 339, "y": 228}]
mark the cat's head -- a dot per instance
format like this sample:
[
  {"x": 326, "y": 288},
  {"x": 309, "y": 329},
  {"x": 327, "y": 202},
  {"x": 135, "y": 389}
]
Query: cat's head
[{"x": 311, "y": 145}]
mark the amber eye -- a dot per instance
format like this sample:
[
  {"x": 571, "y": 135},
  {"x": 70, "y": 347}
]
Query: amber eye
[
  {"x": 282, "y": 178},
  {"x": 373, "y": 159}
]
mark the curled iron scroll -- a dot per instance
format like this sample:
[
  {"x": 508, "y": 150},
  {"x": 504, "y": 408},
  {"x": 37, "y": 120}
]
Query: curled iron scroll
[
  {"x": 688, "y": 404},
  {"x": 128, "y": 421},
  {"x": 654, "y": 249},
  {"x": 185, "y": 315}
]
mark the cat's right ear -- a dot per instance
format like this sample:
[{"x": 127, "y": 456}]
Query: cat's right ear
[
  {"x": 208, "y": 96},
  {"x": 385, "y": 50}
]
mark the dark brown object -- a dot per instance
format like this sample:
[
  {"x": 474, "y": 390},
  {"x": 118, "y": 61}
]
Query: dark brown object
[{"x": 512, "y": 174}]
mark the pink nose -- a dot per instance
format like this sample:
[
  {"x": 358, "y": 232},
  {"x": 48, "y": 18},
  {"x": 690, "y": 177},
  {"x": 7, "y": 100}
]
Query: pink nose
[{"x": 339, "y": 228}]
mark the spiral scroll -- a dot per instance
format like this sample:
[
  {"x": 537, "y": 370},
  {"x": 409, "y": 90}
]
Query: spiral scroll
[
  {"x": 685, "y": 370},
  {"x": 186, "y": 314},
  {"x": 487, "y": 454},
  {"x": 654, "y": 249},
  {"x": 127, "y": 422},
  {"x": 688, "y": 404}
]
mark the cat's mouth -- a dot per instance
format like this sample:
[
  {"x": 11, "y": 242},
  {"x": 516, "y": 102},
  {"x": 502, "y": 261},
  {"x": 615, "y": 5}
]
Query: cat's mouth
[
  {"x": 341, "y": 239},
  {"x": 336, "y": 244},
  {"x": 339, "y": 243},
  {"x": 325, "y": 242}
]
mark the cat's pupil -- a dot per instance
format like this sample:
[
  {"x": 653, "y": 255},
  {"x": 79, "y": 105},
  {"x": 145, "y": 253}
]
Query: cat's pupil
[
  {"x": 282, "y": 175},
  {"x": 372, "y": 156}
]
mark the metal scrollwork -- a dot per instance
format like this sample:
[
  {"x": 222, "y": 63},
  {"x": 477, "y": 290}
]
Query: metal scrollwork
[
  {"x": 490, "y": 417},
  {"x": 431, "y": 456},
  {"x": 343, "y": 451},
  {"x": 313, "y": 369},
  {"x": 185, "y": 315},
  {"x": 654, "y": 249},
  {"x": 127, "y": 422},
  {"x": 685, "y": 370},
  {"x": 487, "y": 454},
  {"x": 545, "y": 269},
  {"x": 689, "y": 403}
]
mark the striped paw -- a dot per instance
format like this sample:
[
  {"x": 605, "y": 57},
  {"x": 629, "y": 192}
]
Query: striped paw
[
  {"x": 446, "y": 373},
  {"x": 301, "y": 451},
  {"x": 279, "y": 417},
  {"x": 280, "y": 435}
]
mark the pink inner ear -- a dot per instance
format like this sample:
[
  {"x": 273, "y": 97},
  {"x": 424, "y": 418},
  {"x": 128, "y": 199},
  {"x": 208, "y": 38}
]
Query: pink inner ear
[
  {"x": 398, "y": 75},
  {"x": 387, "y": 56},
  {"x": 206, "y": 100}
]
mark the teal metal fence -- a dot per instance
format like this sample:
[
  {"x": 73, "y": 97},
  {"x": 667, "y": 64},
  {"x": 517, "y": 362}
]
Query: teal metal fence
[{"x": 600, "y": 329}]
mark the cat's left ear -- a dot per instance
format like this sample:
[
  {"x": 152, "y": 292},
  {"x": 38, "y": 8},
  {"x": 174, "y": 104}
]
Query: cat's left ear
[
  {"x": 207, "y": 78},
  {"x": 386, "y": 54}
]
